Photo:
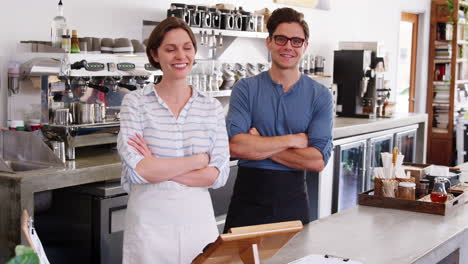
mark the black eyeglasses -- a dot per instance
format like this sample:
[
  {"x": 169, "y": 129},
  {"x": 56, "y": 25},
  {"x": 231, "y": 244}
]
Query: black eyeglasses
[{"x": 281, "y": 40}]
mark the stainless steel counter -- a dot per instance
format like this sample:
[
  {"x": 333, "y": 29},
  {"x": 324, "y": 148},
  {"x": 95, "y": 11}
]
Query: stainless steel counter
[{"x": 17, "y": 190}]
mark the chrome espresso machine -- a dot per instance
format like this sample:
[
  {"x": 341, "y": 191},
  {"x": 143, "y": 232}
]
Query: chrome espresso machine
[{"x": 81, "y": 95}]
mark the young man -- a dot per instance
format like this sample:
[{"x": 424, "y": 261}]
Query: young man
[{"x": 279, "y": 124}]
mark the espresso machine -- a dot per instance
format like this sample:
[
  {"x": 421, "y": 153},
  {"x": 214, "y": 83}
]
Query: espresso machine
[
  {"x": 81, "y": 95},
  {"x": 359, "y": 76}
]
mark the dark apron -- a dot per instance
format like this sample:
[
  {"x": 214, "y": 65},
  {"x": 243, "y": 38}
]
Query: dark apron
[{"x": 264, "y": 196}]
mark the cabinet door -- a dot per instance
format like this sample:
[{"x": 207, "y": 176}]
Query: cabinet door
[
  {"x": 406, "y": 143},
  {"x": 348, "y": 174},
  {"x": 375, "y": 147}
]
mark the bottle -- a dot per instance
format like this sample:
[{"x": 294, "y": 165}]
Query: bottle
[
  {"x": 439, "y": 194},
  {"x": 66, "y": 40},
  {"x": 75, "y": 43},
  {"x": 59, "y": 23}
]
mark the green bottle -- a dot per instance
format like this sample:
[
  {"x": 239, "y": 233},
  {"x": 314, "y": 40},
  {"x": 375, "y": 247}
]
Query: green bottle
[{"x": 75, "y": 43}]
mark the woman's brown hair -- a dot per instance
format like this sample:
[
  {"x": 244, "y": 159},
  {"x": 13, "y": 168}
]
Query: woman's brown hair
[{"x": 159, "y": 32}]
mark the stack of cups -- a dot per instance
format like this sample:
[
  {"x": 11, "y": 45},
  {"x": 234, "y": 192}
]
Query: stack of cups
[
  {"x": 34, "y": 124},
  {"x": 16, "y": 125}
]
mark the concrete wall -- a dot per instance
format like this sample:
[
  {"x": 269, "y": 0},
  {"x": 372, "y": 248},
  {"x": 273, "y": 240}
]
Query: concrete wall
[{"x": 356, "y": 20}]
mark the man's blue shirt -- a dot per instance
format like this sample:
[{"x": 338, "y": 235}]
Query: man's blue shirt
[{"x": 259, "y": 102}]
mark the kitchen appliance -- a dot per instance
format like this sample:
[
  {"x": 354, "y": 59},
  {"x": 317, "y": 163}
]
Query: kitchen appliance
[
  {"x": 360, "y": 77},
  {"x": 354, "y": 74},
  {"x": 349, "y": 174},
  {"x": 81, "y": 94},
  {"x": 85, "y": 224},
  {"x": 406, "y": 143}
]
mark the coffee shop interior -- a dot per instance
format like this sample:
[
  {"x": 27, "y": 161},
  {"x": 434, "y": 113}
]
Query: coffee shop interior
[{"x": 397, "y": 71}]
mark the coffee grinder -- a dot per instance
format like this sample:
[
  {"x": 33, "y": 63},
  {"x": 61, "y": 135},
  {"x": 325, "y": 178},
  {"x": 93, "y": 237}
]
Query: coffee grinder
[{"x": 354, "y": 73}]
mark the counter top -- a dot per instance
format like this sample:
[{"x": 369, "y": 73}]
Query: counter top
[
  {"x": 376, "y": 235},
  {"x": 347, "y": 126},
  {"x": 103, "y": 163},
  {"x": 92, "y": 164},
  {"x": 380, "y": 235}
]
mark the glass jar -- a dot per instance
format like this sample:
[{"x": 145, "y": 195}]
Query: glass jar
[
  {"x": 259, "y": 23},
  {"x": 407, "y": 190},
  {"x": 422, "y": 189}
]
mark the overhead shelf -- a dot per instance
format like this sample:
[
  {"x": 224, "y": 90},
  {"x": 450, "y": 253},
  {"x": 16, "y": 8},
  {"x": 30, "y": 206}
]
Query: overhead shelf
[
  {"x": 231, "y": 33},
  {"x": 441, "y": 82},
  {"x": 439, "y": 130},
  {"x": 441, "y": 60},
  {"x": 221, "y": 93},
  {"x": 318, "y": 76},
  {"x": 224, "y": 32}
]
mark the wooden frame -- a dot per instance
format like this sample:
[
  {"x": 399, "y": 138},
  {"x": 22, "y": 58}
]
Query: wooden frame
[
  {"x": 413, "y": 19},
  {"x": 440, "y": 140},
  {"x": 249, "y": 244}
]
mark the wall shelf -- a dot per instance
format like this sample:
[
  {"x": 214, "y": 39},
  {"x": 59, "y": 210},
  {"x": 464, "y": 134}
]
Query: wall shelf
[
  {"x": 230, "y": 33},
  {"x": 442, "y": 60},
  {"x": 221, "y": 93},
  {"x": 224, "y": 32},
  {"x": 441, "y": 101},
  {"x": 318, "y": 76}
]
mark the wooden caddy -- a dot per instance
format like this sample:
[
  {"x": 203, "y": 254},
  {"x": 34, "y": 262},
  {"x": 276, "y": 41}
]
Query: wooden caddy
[{"x": 249, "y": 244}]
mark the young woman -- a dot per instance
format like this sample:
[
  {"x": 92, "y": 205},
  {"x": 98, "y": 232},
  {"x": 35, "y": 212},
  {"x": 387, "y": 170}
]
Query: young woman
[{"x": 173, "y": 144}]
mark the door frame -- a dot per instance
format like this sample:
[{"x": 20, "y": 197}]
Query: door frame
[{"x": 414, "y": 19}]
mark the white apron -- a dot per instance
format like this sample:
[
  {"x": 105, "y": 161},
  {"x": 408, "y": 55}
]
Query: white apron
[{"x": 167, "y": 223}]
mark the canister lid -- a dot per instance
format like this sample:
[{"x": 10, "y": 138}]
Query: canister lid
[{"x": 407, "y": 184}]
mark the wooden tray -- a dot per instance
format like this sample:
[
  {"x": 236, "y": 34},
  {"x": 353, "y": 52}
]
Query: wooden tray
[{"x": 413, "y": 205}]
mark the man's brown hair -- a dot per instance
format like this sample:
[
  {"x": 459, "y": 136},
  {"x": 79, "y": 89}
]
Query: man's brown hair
[
  {"x": 286, "y": 15},
  {"x": 159, "y": 32}
]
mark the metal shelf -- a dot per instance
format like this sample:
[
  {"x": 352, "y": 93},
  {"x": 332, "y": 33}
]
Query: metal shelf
[
  {"x": 231, "y": 33},
  {"x": 224, "y": 32},
  {"x": 221, "y": 93},
  {"x": 315, "y": 76}
]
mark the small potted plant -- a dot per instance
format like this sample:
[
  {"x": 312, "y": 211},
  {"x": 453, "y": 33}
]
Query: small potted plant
[{"x": 24, "y": 255}]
